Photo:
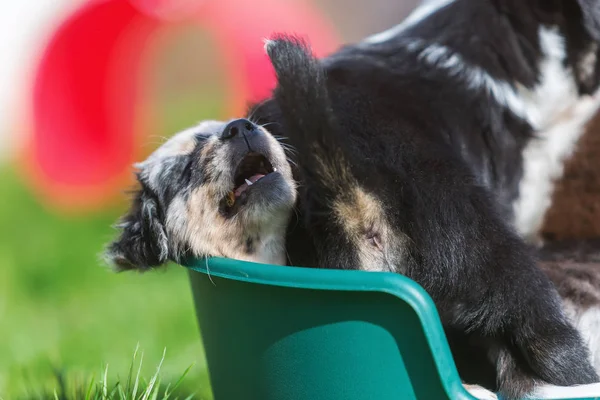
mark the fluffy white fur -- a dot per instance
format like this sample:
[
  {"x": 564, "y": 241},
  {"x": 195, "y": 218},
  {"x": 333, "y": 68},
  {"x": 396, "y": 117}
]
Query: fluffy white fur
[
  {"x": 588, "y": 323},
  {"x": 559, "y": 116}
]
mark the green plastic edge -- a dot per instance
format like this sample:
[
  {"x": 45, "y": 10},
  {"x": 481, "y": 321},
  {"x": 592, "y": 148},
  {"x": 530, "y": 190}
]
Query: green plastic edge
[{"x": 351, "y": 280}]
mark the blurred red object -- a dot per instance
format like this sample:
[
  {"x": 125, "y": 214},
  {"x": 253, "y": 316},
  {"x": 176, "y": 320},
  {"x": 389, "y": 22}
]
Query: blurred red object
[{"x": 88, "y": 83}]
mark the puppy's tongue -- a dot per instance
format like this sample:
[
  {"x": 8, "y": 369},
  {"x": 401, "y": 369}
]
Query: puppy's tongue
[{"x": 242, "y": 188}]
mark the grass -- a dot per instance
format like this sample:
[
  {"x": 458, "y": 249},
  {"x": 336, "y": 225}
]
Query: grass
[
  {"x": 61, "y": 310},
  {"x": 131, "y": 387},
  {"x": 63, "y": 314}
]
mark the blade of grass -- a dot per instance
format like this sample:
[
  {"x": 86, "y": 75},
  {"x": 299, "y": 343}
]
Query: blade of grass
[
  {"x": 156, "y": 390},
  {"x": 88, "y": 394},
  {"x": 167, "y": 393},
  {"x": 130, "y": 375},
  {"x": 182, "y": 377},
  {"x": 105, "y": 383},
  {"x": 123, "y": 394},
  {"x": 137, "y": 378},
  {"x": 111, "y": 396},
  {"x": 154, "y": 377}
]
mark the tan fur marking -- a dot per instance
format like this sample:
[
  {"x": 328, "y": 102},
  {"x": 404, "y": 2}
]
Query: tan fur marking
[{"x": 359, "y": 213}]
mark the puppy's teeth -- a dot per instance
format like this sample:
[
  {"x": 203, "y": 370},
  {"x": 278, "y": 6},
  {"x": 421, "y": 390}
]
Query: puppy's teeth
[
  {"x": 274, "y": 169},
  {"x": 248, "y": 182}
]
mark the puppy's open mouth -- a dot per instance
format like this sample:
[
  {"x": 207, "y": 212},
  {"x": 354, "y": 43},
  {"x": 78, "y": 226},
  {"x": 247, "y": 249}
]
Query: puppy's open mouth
[{"x": 250, "y": 170}]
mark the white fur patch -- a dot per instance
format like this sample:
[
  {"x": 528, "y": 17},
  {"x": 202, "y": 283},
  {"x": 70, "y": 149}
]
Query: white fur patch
[
  {"x": 474, "y": 77},
  {"x": 588, "y": 324},
  {"x": 268, "y": 43},
  {"x": 559, "y": 116},
  {"x": 424, "y": 10},
  {"x": 590, "y": 391},
  {"x": 480, "y": 392},
  {"x": 588, "y": 63}
]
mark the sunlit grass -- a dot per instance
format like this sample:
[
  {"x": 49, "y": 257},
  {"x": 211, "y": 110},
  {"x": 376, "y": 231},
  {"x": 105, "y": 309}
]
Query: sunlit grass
[
  {"x": 60, "y": 309},
  {"x": 132, "y": 386}
]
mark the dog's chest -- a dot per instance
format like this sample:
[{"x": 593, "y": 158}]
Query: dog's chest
[{"x": 558, "y": 116}]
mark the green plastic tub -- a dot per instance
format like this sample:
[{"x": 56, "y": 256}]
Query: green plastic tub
[{"x": 288, "y": 333}]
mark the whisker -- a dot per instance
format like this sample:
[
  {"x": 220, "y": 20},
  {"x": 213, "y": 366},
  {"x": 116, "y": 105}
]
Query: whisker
[
  {"x": 152, "y": 144},
  {"x": 208, "y": 272},
  {"x": 270, "y": 123},
  {"x": 289, "y": 148},
  {"x": 165, "y": 138},
  {"x": 290, "y": 153}
]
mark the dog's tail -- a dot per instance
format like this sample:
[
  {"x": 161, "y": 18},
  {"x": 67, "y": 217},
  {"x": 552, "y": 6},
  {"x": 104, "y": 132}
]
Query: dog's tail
[{"x": 309, "y": 120}]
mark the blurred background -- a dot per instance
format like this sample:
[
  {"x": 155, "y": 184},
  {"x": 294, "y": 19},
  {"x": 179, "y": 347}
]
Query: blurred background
[{"x": 86, "y": 88}]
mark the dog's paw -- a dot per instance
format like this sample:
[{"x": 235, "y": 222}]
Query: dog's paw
[{"x": 480, "y": 392}]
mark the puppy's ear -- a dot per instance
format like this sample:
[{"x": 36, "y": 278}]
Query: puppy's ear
[
  {"x": 590, "y": 11},
  {"x": 143, "y": 242}
]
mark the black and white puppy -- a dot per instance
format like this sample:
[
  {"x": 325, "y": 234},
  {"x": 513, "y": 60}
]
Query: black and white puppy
[{"x": 437, "y": 128}]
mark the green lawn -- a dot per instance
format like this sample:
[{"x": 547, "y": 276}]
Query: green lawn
[{"x": 60, "y": 309}]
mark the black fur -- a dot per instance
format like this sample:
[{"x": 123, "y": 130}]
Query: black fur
[
  {"x": 373, "y": 118},
  {"x": 143, "y": 242},
  {"x": 590, "y": 10}
]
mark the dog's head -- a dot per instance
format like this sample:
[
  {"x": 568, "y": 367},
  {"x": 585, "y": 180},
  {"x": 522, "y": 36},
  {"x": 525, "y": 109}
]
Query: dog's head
[{"x": 218, "y": 189}]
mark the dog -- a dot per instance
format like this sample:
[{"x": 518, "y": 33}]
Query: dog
[{"x": 414, "y": 150}]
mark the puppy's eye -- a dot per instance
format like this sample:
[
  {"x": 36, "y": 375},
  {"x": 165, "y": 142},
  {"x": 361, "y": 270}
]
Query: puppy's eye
[
  {"x": 186, "y": 174},
  {"x": 200, "y": 137}
]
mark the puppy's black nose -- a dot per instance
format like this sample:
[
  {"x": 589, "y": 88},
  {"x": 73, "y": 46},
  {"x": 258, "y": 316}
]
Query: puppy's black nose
[{"x": 238, "y": 127}]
